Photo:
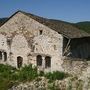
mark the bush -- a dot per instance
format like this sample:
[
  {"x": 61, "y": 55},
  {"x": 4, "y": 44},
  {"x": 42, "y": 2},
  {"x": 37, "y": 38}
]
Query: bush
[
  {"x": 10, "y": 75},
  {"x": 6, "y": 71},
  {"x": 6, "y": 68},
  {"x": 28, "y": 73},
  {"x": 41, "y": 73},
  {"x": 56, "y": 75}
]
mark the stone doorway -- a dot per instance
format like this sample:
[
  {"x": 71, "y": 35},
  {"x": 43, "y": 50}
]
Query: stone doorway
[{"x": 19, "y": 61}]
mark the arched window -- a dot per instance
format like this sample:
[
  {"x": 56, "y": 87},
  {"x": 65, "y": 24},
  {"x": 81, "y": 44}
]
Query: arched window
[
  {"x": 47, "y": 62},
  {"x": 19, "y": 61},
  {"x": 40, "y": 32},
  {"x": 5, "y": 56},
  {"x": 0, "y": 55},
  {"x": 39, "y": 60}
]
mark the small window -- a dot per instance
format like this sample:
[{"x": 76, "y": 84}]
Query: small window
[
  {"x": 9, "y": 41},
  {"x": 19, "y": 61},
  {"x": 47, "y": 62},
  {"x": 5, "y": 56},
  {"x": 40, "y": 32},
  {"x": 39, "y": 60}
]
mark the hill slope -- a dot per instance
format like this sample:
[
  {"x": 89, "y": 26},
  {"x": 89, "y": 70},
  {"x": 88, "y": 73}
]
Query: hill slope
[{"x": 84, "y": 26}]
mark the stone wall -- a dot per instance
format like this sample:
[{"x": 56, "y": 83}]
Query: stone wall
[{"x": 75, "y": 66}]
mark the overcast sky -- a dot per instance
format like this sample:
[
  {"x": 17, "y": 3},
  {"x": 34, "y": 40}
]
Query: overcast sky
[{"x": 67, "y": 10}]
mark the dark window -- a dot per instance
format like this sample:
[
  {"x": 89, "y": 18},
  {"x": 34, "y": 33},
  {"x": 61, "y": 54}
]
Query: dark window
[
  {"x": 0, "y": 55},
  {"x": 40, "y": 32},
  {"x": 9, "y": 41},
  {"x": 5, "y": 56},
  {"x": 39, "y": 60},
  {"x": 19, "y": 61},
  {"x": 47, "y": 61}
]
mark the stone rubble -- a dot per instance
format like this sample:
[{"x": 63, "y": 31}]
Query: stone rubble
[{"x": 41, "y": 83}]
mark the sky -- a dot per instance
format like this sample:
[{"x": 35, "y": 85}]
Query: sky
[{"x": 66, "y": 10}]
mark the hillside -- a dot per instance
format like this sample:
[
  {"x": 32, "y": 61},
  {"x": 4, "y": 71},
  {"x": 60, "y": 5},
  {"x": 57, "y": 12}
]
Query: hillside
[{"x": 85, "y": 25}]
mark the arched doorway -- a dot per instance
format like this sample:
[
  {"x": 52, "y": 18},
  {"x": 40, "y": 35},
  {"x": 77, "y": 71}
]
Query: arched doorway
[
  {"x": 39, "y": 60},
  {"x": 19, "y": 61}
]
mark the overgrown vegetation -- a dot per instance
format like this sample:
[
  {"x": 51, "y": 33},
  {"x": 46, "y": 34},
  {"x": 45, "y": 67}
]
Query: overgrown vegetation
[
  {"x": 5, "y": 76},
  {"x": 56, "y": 75},
  {"x": 10, "y": 76}
]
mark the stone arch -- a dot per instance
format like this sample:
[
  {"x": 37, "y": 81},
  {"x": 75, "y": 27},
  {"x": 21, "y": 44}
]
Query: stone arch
[
  {"x": 19, "y": 45},
  {"x": 39, "y": 60},
  {"x": 19, "y": 61},
  {"x": 47, "y": 61}
]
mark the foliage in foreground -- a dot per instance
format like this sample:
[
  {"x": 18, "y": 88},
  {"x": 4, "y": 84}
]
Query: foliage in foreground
[
  {"x": 56, "y": 75},
  {"x": 10, "y": 76}
]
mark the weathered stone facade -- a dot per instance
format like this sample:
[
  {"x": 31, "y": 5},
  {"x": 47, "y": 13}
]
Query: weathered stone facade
[{"x": 24, "y": 40}]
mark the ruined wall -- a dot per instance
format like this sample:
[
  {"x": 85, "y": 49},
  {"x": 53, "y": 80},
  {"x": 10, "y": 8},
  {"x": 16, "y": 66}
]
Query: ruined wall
[
  {"x": 28, "y": 41},
  {"x": 75, "y": 65}
]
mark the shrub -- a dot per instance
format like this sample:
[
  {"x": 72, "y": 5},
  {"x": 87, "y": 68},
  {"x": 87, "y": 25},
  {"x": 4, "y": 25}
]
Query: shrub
[
  {"x": 28, "y": 73},
  {"x": 6, "y": 71},
  {"x": 6, "y": 68},
  {"x": 56, "y": 75},
  {"x": 41, "y": 73}
]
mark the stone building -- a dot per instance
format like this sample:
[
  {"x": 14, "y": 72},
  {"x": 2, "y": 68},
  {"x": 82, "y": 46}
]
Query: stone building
[{"x": 29, "y": 39}]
